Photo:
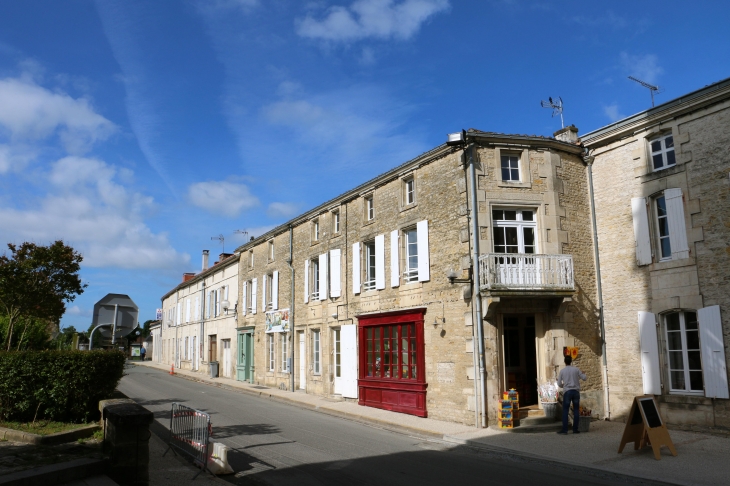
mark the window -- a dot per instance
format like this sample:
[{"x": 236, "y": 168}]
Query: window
[
  {"x": 662, "y": 152},
  {"x": 284, "y": 356},
  {"x": 316, "y": 353},
  {"x": 409, "y": 191},
  {"x": 247, "y": 295},
  {"x": 335, "y": 222},
  {"x": 270, "y": 347},
  {"x": 514, "y": 230},
  {"x": 665, "y": 246},
  {"x": 337, "y": 355},
  {"x": 410, "y": 238},
  {"x": 369, "y": 208},
  {"x": 269, "y": 291},
  {"x": 271, "y": 250},
  {"x": 250, "y": 258},
  {"x": 315, "y": 230},
  {"x": 314, "y": 265},
  {"x": 369, "y": 283},
  {"x": 391, "y": 351},
  {"x": 684, "y": 353},
  {"x": 510, "y": 167},
  {"x": 186, "y": 349}
]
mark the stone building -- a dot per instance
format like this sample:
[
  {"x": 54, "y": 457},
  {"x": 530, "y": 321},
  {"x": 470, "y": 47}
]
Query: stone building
[
  {"x": 199, "y": 319},
  {"x": 662, "y": 213},
  {"x": 368, "y": 295}
]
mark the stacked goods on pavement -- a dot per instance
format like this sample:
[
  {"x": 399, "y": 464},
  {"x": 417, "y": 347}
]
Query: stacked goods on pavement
[{"x": 509, "y": 409}]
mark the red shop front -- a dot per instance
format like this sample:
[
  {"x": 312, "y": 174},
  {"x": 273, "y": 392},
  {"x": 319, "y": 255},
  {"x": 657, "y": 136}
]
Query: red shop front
[{"x": 392, "y": 371}]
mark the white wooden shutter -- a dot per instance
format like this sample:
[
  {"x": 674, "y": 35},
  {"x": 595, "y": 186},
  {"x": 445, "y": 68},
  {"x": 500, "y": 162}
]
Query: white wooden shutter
[
  {"x": 245, "y": 297},
  {"x": 335, "y": 273},
  {"x": 394, "y": 259},
  {"x": 275, "y": 290},
  {"x": 254, "y": 288},
  {"x": 225, "y": 292},
  {"x": 380, "y": 262},
  {"x": 348, "y": 361},
  {"x": 306, "y": 281},
  {"x": 424, "y": 266},
  {"x": 677, "y": 227},
  {"x": 323, "y": 276},
  {"x": 356, "y": 268},
  {"x": 187, "y": 310},
  {"x": 218, "y": 299},
  {"x": 649, "y": 354},
  {"x": 714, "y": 367},
  {"x": 641, "y": 231},
  {"x": 208, "y": 305},
  {"x": 178, "y": 318},
  {"x": 263, "y": 293},
  {"x": 197, "y": 308}
]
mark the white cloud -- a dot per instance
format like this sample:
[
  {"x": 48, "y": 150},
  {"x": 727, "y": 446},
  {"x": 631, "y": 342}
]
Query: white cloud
[
  {"x": 31, "y": 112},
  {"x": 282, "y": 210},
  {"x": 78, "y": 311},
  {"x": 222, "y": 197},
  {"x": 104, "y": 220},
  {"x": 611, "y": 111},
  {"x": 644, "y": 67},
  {"x": 379, "y": 19}
]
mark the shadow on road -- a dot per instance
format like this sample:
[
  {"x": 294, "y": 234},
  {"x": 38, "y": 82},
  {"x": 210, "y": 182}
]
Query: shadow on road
[{"x": 251, "y": 429}]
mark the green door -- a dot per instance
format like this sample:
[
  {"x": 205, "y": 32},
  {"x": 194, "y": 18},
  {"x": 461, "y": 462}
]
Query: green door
[{"x": 244, "y": 366}]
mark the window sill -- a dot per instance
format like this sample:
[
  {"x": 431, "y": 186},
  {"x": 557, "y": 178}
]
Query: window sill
[
  {"x": 368, "y": 222},
  {"x": 408, "y": 207},
  {"x": 518, "y": 185},
  {"x": 668, "y": 264},
  {"x": 660, "y": 173}
]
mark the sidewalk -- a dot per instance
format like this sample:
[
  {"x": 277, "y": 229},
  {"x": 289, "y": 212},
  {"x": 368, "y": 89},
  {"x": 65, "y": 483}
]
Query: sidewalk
[{"x": 702, "y": 459}]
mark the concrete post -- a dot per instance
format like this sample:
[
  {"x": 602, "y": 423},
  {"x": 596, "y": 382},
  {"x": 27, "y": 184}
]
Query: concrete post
[{"x": 126, "y": 440}]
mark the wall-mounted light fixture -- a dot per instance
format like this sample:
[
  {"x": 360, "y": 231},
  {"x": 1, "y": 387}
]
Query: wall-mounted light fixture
[
  {"x": 452, "y": 276},
  {"x": 439, "y": 321}
]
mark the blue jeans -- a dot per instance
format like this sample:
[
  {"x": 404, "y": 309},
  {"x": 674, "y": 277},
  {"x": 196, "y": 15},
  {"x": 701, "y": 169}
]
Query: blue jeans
[{"x": 571, "y": 396}]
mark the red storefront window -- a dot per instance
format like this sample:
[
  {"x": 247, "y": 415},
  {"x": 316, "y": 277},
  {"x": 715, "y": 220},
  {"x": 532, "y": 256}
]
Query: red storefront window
[{"x": 392, "y": 361}]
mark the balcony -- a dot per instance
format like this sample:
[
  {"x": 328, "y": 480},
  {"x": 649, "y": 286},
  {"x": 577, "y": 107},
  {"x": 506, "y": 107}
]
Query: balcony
[{"x": 527, "y": 272}]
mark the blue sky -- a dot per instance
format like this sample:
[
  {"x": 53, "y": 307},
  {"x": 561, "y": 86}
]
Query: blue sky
[{"x": 136, "y": 130}]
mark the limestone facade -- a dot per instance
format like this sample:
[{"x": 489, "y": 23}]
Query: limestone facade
[{"x": 667, "y": 275}]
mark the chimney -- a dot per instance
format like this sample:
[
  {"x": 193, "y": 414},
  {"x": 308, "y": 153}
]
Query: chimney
[
  {"x": 567, "y": 134},
  {"x": 187, "y": 276},
  {"x": 223, "y": 256},
  {"x": 205, "y": 260}
]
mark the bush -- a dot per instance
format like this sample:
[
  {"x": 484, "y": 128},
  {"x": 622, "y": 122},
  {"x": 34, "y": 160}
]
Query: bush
[{"x": 57, "y": 385}]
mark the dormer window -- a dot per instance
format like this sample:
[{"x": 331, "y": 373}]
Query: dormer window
[{"x": 662, "y": 152}]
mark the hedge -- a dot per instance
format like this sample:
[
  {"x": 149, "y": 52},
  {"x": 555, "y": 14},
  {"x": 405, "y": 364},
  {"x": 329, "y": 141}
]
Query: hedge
[{"x": 57, "y": 385}]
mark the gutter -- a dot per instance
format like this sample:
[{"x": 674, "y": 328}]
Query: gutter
[{"x": 291, "y": 310}]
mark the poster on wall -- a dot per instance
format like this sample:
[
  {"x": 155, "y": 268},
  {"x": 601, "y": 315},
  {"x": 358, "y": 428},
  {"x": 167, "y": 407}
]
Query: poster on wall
[
  {"x": 158, "y": 315},
  {"x": 277, "y": 320}
]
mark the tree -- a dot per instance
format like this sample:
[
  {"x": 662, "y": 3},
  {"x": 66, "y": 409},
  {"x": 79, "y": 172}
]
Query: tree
[{"x": 36, "y": 282}]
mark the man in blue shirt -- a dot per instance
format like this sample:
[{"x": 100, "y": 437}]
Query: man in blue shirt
[{"x": 568, "y": 380}]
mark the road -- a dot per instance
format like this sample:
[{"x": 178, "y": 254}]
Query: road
[{"x": 279, "y": 444}]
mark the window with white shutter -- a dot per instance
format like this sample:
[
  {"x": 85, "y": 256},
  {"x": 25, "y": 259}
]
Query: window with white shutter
[
  {"x": 677, "y": 225},
  {"x": 244, "y": 298},
  {"x": 179, "y": 313},
  {"x": 394, "y": 259},
  {"x": 335, "y": 273},
  {"x": 356, "y": 268},
  {"x": 424, "y": 266},
  {"x": 306, "y": 281},
  {"x": 275, "y": 290},
  {"x": 197, "y": 308},
  {"x": 264, "y": 290},
  {"x": 380, "y": 262},
  {"x": 254, "y": 285},
  {"x": 322, "y": 277},
  {"x": 187, "y": 310},
  {"x": 649, "y": 354},
  {"x": 713, "y": 352}
]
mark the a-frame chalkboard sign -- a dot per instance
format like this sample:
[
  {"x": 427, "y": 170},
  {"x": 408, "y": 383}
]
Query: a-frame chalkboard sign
[{"x": 645, "y": 427}]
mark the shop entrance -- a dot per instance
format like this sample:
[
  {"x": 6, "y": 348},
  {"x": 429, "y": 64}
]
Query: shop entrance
[{"x": 520, "y": 357}]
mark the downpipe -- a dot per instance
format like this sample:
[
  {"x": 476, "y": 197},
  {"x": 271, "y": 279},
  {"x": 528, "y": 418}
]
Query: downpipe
[{"x": 291, "y": 310}]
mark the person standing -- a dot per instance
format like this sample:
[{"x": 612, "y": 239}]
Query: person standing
[
  {"x": 142, "y": 352},
  {"x": 568, "y": 380}
]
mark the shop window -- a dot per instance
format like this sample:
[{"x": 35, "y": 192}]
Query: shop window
[{"x": 391, "y": 352}]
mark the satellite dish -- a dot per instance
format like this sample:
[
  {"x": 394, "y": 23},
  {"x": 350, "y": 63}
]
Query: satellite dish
[{"x": 117, "y": 314}]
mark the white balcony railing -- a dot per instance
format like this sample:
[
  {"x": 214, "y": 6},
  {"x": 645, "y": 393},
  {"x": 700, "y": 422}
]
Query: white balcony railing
[{"x": 520, "y": 271}]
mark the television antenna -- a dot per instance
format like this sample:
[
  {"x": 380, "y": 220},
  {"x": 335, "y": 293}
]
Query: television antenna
[
  {"x": 556, "y": 106},
  {"x": 652, "y": 89},
  {"x": 222, "y": 239},
  {"x": 241, "y": 232}
]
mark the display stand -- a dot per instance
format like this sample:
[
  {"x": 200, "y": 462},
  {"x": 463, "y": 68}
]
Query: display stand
[{"x": 645, "y": 427}]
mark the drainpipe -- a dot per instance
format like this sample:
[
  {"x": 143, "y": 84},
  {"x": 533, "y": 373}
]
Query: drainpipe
[
  {"x": 202, "y": 325},
  {"x": 291, "y": 309},
  {"x": 604, "y": 364},
  {"x": 476, "y": 292}
]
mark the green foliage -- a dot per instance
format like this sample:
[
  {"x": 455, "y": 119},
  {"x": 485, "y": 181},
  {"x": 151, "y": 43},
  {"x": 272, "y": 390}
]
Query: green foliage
[
  {"x": 57, "y": 385},
  {"x": 35, "y": 334}
]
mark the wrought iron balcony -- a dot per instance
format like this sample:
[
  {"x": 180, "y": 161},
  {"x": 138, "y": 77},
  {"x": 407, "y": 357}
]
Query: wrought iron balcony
[{"x": 520, "y": 271}]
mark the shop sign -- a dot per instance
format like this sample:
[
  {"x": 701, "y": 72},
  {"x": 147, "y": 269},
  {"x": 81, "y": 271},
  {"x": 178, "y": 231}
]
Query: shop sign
[{"x": 277, "y": 320}]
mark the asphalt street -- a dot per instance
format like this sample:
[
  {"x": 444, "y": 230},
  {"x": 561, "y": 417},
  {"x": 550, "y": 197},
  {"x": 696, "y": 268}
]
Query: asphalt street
[{"x": 280, "y": 444}]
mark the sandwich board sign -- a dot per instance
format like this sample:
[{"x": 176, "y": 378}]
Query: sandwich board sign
[{"x": 646, "y": 427}]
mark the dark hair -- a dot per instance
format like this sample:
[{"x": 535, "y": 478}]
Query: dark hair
[{"x": 568, "y": 360}]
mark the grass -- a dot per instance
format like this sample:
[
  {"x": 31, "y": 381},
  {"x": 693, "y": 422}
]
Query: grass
[{"x": 42, "y": 427}]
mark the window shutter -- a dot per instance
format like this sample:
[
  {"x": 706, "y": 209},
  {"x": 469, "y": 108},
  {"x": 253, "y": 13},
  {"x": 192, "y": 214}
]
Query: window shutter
[
  {"x": 254, "y": 285},
  {"x": 714, "y": 366},
  {"x": 323, "y": 277},
  {"x": 218, "y": 299},
  {"x": 677, "y": 228},
  {"x": 208, "y": 306},
  {"x": 424, "y": 269},
  {"x": 178, "y": 319},
  {"x": 380, "y": 262},
  {"x": 306, "y": 281},
  {"x": 263, "y": 293},
  {"x": 275, "y": 290},
  {"x": 356, "y": 268},
  {"x": 187, "y": 310},
  {"x": 641, "y": 231},
  {"x": 197, "y": 308},
  {"x": 348, "y": 360},
  {"x": 245, "y": 297},
  {"x": 394, "y": 260},
  {"x": 335, "y": 284},
  {"x": 649, "y": 354},
  {"x": 225, "y": 290}
]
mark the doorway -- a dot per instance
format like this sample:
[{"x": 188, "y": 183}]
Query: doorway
[
  {"x": 337, "y": 365},
  {"x": 244, "y": 364},
  {"x": 302, "y": 362},
  {"x": 212, "y": 348},
  {"x": 226, "y": 358},
  {"x": 520, "y": 357}
]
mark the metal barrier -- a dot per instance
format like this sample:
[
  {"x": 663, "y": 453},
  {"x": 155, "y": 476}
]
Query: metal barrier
[{"x": 190, "y": 430}]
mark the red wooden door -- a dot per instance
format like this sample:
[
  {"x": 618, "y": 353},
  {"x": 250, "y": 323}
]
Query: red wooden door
[{"x": 392, "y": 371}]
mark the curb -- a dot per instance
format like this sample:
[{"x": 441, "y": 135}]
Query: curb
[
  {"x": 56, "y": 473},
  {"x": 51, "y": 439}
]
